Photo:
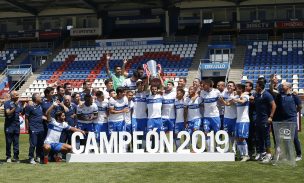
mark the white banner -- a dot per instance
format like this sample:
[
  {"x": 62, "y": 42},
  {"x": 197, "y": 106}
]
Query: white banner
[{"x": 85, "y": 32}]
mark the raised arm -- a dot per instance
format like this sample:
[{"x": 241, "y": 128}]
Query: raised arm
[
  {"x": 107, "y": 64},
  {"x": 125, "y": 73},
  {"x": 48, "y": 112}
]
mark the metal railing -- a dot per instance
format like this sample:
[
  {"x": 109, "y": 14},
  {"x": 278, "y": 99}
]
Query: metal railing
[
  {"x": 229, "y": 67},
  {"x": 23, "y": 77}
]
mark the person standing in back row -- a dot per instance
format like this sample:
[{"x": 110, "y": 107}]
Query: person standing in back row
[{"x": 118, "y": 77}]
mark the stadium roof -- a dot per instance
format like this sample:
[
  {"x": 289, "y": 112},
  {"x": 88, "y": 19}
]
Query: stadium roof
[{"x": 37, "y": 7}]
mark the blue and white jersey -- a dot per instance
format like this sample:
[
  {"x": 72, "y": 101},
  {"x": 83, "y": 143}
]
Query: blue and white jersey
[
  {"x": 230, "y": 111},
  {"x": 168, "y": 111},
  {"x": 193, "y": 108},
  {"x": 210, "y": 102},
  {"x": 54, "y": 131},
  {"x": 243, "y": 110},
  {"x": 179, "y": 110},
  {"x": 86, "y": 112},
  {"x": 129, "y": 84},
  {"x": 102, "y": 111},
  {"x": 128, "y": 114},
  {"x": 154, "y": 105},
  {"x": 117, "y": 104},
  {"x": 140, "y": 105}
]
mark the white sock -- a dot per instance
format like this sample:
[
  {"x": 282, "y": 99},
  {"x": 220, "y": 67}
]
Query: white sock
[{"x": 245, "y": 148}]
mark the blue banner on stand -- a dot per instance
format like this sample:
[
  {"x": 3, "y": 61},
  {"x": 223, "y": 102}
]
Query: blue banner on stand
[{"x": 214, "y": 66}]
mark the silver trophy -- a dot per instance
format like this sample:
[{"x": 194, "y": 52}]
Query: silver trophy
[
  {"x": 152, "y": 69},
  {"x": 152, "y": 66}
]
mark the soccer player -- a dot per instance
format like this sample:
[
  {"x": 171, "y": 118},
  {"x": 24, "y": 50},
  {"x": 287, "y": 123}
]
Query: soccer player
[
  {"x": 182, "y": 84},
  {"x": 118, "y": 106},
  {"x": 112, "y": 93},
  {"x": 118, "y": 77},
  {"x": 87, "y": 113},
  {"x": 109, "y": 86},
  {"x": 12, "y": 109},
  {"x": 55, "y": 128},
  {"x": 154, "y": 105},
  {"x": 242, "y": 121},
  {"x": 221, "y": 87},
  {"x": 128, "y": 114},
  {"x": 230, "y": 113},
  {"x": 168, "y": 112},
  {"x": 130, "y": 83},
  {"x": 193, "y": 105},
  {"x": 101, "y": 123},
  {"x": 196, "y": 85},
  {"x": 180, "y": 121},
  {"x": 210, "y": 97},
  {"x": 35, "y": 127}
]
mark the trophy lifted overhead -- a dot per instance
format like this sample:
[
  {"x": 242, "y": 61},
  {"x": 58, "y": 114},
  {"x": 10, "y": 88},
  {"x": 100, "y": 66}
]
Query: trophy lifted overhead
[{"x": 153, "y": 70}]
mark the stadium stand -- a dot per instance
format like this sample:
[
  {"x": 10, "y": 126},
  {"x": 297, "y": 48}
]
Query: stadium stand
[
  {"x": 8, "y": 56},
  {"x": 284, "y": 58},
  {"x": 76, "y": 65}
]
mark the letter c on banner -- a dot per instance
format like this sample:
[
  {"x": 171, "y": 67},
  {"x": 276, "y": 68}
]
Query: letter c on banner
[{"x": 74, "y": 144}]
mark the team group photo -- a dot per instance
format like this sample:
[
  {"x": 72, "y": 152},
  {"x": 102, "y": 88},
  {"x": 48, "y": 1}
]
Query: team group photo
[{"x": 171, "y": 91}]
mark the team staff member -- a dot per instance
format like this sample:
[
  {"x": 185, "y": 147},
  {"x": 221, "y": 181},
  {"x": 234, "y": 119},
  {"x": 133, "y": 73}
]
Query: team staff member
[
  {"x": 70, "y": 111},
  {"x": 288, "y": 106},
  {"x": 265, "y": 108},
  {"x": 12, "y": 110},
  {"x": 34, "y": 125}
]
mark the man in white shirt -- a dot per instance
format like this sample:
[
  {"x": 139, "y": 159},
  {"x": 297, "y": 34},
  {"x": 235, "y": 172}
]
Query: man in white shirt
[
  {"x": 168, "y": 111},
  {"x": 180, "y": 122},
  {"x": 87, "y": 113},
  {"x": 182, "y": 84},
  {"x": 130, "y": 83},
  {"x": 55, "y": 128},
  {"x": 230, "y": 112},
  {"x": 118, "y": 106},
  {"x": 242, "y": 121},
  {"x": 154, "y": 105},
  {"x": 101, "y": 123},
  {"x": 128, "y": 120},
  {"x": 109, "y": 87}
]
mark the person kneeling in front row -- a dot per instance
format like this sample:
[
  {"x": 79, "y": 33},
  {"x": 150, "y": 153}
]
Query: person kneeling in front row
[{"x": 55, "y": 128}]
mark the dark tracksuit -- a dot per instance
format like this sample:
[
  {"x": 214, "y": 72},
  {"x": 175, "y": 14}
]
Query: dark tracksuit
[
  {"x": 36, "y": 130},
  {"x": 12, "y": 128}
]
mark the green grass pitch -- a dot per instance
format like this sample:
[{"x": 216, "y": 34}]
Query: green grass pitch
[{"x": 144, "y": 172}]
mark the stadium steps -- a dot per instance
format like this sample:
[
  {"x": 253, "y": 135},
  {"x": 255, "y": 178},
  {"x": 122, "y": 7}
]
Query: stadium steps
[
  {"x": 20, "y": 58},
  {"x": 36, "y": 74},
  {"x": 201, "y": 50},
  {"x": 237, "y": 65}
]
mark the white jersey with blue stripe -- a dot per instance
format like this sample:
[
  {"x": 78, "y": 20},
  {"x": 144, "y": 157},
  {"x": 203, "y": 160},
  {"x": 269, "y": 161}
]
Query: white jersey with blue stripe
[
  {"x": 230, "y": 111},
  {"x": 210, "y": 102},
  {"x": 118, "y": 105},
  {"x": 128, "y": 114},
  {"x": 86, "y": 111},
  {"x": 129, "y": 84},
  {"x": 168, "y": 111},
  {"x": 179, "y": 110},
  {"x": 193, "y": 108},
  {"x": 154, "y": 104},
  {"x": 103, "y": 107},
  {"x": 243, "y": 110},
  {"x": 54, "y": 131},
  {"x": 140, "y": 105}
]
